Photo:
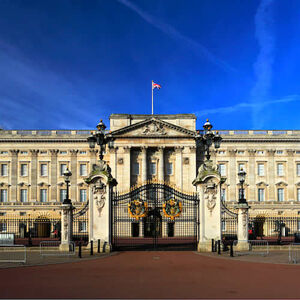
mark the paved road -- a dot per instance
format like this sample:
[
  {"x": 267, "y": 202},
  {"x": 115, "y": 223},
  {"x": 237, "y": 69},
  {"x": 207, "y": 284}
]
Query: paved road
[{"x": 153, "y": 275}]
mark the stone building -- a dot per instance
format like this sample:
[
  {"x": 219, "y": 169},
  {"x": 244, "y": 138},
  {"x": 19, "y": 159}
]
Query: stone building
[{"x": 147, "y": 147}]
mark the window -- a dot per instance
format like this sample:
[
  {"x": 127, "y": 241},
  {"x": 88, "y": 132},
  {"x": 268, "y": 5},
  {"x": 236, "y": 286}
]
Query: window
[
  {"x": 169, "y": 168},
  {"x": 298, "y": 169},
  {"x": 135, "y": 168},
  {"x": 298, "y": 195},
  {"x": 43, "y": 152},
  {"x": 223, "y": 195},
  {"x": 44, "y": 170},
  {"x": 279, "y": 152},
  {"x": 83, "y": 170},
  {"x": 280, "y": 195},
  {"x": 280, "y": 170},
  {"x": 24, "y": 197},
  {"x": 82, "y": 226},
  {"x": 24, "y": 170},
  {"x": 242, "y": 167},
  {"x": 222, "y": 152},
  {"x": 261, "y": 195},
  {"x": 62, "y": 152},
  {"x": 261, "y": 170},
  {"x": 82, "y": 195},
  {"x": 62, "y": 194},
  {"x": 63, "y": 168},
  {"x": 3, "y": 152},
  {"x": 223, "y": 225},
  {"x": 4, "y": 170},
  {"x": 260, "y": 152},
  {"x": 43, "y": 195},
  {"x": 3, "y": 227},
  {"x": 240, "y": 152},
  {"x": 3, "y": 195},
  {"x": 82, "y": 152},
  {"x": 22, "y": 213},
  {"x": 152, "y": 169},
  {"x": 23, "y": 152},
  {"x": 222, "y": 169}
]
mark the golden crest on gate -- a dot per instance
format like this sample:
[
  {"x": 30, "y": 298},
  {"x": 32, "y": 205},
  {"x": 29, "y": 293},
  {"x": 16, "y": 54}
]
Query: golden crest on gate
[
  {"x": 137, "y": 209},
  {"x": 172, "y": 208}
]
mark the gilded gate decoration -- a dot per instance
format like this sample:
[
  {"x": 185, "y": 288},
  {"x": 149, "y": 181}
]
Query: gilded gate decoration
[{"x": 154, "y": 215}]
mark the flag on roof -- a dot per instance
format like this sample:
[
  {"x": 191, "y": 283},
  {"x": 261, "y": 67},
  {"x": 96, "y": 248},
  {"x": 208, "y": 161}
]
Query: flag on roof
[{"x": 155, "y": 85}]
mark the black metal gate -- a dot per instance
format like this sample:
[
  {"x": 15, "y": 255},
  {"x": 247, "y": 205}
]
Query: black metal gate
[{"x": 155, "y": 216}]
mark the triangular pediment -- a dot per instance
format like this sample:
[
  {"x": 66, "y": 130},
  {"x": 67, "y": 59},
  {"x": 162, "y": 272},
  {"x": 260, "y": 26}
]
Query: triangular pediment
[{"x": 153, "y": 127}]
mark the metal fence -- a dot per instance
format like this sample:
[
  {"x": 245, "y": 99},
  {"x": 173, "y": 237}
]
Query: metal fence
[
  {"x": 275, "y": 229},
  {"x": 256, "y": 247},
  {"x": 52, "y": 248},
  {"x": 31, "y": 231},
  {"x": 13, "y": 253},
  {"x": 294, "y": 253}
]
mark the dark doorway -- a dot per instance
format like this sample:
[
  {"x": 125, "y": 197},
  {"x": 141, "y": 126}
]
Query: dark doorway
[{"x": 152, "y": 223}]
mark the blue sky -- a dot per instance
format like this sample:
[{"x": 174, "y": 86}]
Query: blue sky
[{"x": 66, "y": 64}]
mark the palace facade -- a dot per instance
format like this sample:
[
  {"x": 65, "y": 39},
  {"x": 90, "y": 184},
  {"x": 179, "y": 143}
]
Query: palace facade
[{"x": 147, "y": 147}]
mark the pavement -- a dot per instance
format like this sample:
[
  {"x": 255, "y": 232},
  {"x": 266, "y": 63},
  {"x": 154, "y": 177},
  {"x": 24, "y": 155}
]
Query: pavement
[{"x": 155, "y": 275}]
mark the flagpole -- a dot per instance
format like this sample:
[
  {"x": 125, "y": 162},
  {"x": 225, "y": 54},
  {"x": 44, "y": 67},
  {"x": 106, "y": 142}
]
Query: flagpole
[{"x": 152, "y": 96}]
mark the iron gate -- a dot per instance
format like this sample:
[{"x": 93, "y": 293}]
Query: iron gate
[{"x": 155, "y": 216}]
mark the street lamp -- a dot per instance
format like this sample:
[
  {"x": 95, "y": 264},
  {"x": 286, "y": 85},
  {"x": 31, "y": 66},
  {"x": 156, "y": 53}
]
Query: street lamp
[
  {"x": 242, "y": 176},
  {"x": 208, "y": 138},
  {"x": 67, "y": 174},
  {"x": 99, "y": 138}
]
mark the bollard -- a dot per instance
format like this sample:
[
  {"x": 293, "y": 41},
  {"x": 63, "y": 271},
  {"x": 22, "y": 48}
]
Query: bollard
[
  {"x": 79, "y": 250},
  {"x": 92, "y": 249},
  {"x": 98, "y": 251},
  {"x": 216, "y": 246},
  {"x": 212, "y": 245},
  {"x": 219, "y": 247},
  {"x": 231, "y": 249},
  {"x": 104, "y": 246}
]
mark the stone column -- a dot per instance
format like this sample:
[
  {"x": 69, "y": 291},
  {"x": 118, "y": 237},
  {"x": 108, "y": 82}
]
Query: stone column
[
  {"x": 141, "y": 233},
  {"x": 113, "y": 161},
  {"x": 34, "y": 174},
  {"x": 73, "y": 195},
  {"x": 178, "y": 169},
  {"x": 232, "y": 172},
  {"x": 101, "y": 184},
  {"x": 208, "y": 183},
  {"x": 271, "y": 175},
  {"x": 290, "y": 175},
  {"x": 14, "y": 175},
  {"x": 126, "y": 168},
  {"x": 251, "y": 175},
  {"x": 161, "y": 176},
  {"x": 66, "y": 228},
  {"x": 193, "y": 168},
  {"x": 243, "y": 220},
  {"x": 53, "y": 174},
  {"x": 93, "y": 157},
  {"x": 144, "y": 164}
]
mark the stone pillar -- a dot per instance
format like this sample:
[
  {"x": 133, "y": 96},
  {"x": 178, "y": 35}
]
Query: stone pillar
[
  {"x": 243, "y": 220},
  {"x": 34, "y": 173},
  {"x": 232, "y": 172},
  {"x": 251, "y": 175},
  {"x": 208, "y": 182},
  {"x": 193, "y": 168},
  {"x": 271, "y": 176},
  {"x": 93, "y": 157},
  {"x": 126, "y": 168},
  {"x": 144, "y": 164},
  {"x": 290, "y": 175},
  {"x": 53, "y": 174},
  {"x": 161, "y": 176},
  {"x": 73, "y": 195},
  {"x": 100, "y": 182},
  {"x": 178, "y": 168},
  {"x": 14, "y": 175},
  {"x": 113, "y": 161},
  {"x": 141, "y": 233},
  {"x": 66, "y": 227}
]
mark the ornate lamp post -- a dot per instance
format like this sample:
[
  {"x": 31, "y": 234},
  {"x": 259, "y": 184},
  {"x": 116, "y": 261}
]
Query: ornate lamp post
[
  {"x": 99, "y": 138},
  {"x": 242, "y": 176},
  {"x": 67, "y": 174},
  {"x": 208, "y": 138}
]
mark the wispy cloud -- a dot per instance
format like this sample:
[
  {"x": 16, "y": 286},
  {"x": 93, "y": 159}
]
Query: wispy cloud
[
  {"x": 263, "y": 65},
  {"x": 176, "y": 35},
  {"x": 246, "y": 105}
]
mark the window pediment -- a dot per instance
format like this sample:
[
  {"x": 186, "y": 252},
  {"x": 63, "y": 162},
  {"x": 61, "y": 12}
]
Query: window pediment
[{"x": 281, "y": 183}]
